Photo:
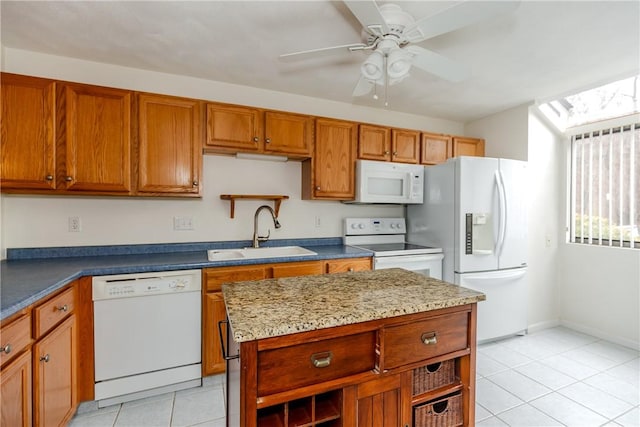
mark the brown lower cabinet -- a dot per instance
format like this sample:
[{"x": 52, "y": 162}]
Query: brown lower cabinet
[
  {"x": 213, "y": 309},
  {"x": 394, "y": 383},
  {"x": 38, "y": 374}
]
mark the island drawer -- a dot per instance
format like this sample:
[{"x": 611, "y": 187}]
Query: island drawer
[
  {"x": 315, "y": 362},
  {"x": 14, "y": 337},
  {"x": 421, "y": 340},
  {"x": 52, "y": 312}
]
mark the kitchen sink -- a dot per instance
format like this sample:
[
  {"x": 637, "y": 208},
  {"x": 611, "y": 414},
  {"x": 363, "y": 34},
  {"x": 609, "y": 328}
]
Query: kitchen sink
[{"x": 257, "y": 253}]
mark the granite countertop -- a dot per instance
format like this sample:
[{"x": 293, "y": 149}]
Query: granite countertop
[
  {"x": 274, "y": 307},
  {"x": 28, "y": 275}
]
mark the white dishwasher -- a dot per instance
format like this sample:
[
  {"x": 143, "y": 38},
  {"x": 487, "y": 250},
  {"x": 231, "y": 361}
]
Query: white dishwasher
[{"x": 147, "y": 334}]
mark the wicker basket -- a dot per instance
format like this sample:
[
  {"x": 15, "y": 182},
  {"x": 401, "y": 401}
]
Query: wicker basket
[
  {"x": 430, "y": 377},
  {"x": 445, "y": 412}
]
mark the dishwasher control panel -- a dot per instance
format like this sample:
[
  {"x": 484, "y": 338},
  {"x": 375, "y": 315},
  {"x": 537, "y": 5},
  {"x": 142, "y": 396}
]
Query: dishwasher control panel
[{"x": 145, "y": 284}]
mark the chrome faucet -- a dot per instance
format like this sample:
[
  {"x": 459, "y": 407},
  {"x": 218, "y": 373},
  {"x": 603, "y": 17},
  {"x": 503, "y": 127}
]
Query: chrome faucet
[{"x": 257, "y": 239}]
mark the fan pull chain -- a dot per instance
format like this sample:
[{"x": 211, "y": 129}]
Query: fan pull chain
[{"x": 386, "y": 80}]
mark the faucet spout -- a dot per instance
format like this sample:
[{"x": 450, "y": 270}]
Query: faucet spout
[{"x": 256, "y": 238}]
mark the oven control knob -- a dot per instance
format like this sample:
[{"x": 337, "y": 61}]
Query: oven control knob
[
  {"x": 354, "y": 225},
  {"x": 361, "y": 226},
  {"x": 392, "y": 226}
]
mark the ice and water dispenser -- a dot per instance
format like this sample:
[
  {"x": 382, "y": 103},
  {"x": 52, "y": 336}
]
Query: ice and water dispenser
[{"x": 478, "y": 234}]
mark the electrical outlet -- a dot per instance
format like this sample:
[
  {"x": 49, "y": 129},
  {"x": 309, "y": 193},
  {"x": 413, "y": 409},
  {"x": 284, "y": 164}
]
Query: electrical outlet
[
  {"x": 317, "y": 222},
  {"x": 74, "y": 224},
  {"x": 182, "y": 223}
]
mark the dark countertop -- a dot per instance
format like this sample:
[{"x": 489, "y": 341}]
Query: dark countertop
[{"x": 28, "y": 275}]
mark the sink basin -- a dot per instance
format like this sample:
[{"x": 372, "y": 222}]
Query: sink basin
[{"x": 257, "y": 253}]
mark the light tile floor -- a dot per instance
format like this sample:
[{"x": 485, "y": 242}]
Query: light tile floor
[{"x": 555, "y": 377}]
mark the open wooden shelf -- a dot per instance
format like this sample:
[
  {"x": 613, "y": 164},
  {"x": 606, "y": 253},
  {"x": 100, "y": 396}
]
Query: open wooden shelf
[{"x": 233, "y": 197}]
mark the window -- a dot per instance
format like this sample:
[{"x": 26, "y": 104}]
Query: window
[{"x": 605, "y": 186}]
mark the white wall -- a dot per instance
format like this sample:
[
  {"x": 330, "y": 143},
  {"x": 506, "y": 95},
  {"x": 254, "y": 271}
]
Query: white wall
[
  {"x": 599, "y": 292},
  {"x": 42, "y": 221},
  {"x": 517, "y": 135}
]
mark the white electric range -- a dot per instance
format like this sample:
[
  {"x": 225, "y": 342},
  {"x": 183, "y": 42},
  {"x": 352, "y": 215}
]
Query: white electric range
[{"x": 385, "y": 237}]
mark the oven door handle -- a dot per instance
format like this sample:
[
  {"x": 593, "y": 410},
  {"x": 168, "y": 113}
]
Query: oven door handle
[{"x": 394, "y": 261}]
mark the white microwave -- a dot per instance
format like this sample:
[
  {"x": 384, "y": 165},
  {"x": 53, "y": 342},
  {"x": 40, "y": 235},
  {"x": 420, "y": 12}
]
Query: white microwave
[{"x": 387, "y": 182}]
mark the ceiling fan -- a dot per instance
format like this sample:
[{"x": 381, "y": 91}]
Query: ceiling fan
[{"x": 391, "y": 35}]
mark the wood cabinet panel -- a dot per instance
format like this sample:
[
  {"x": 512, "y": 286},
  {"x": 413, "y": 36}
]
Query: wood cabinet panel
[
  {"x": 330, "y": 174},
  {"x": 233, "y": 128},
  {"x": 299, "y": 365},
  {"x": 413, "y": 342},
  {"x": 348, "y": 264},
  {"x": 405, "y": 146},
  {"x": 435, "y": 148},
  {"x": 287, "y": 133},
  {"x": 54, "y": 376},
  {"x": 15, "y": 392},
  {"x": 214, "y": 312},
  {"x": 468, "y": 146},
  {"x": 169, "y": 152},
  {"x": 213, "y": 278},
  {"x": 96, "y": 138},
  {"x": 14, "y": 337},
  {"x": 374, "y": 142},
  {"x": 296, "y": 269},
  {"x": 52, "y": 312},
  {"x": 27, "y": 133}
]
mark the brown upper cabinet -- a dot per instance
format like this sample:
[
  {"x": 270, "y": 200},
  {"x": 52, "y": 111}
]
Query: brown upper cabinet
[
  {"x": 435, "y": 148},
  {"x": 95, "y": 139},
  {"x": 405, "y": 146},
  {"x": 28, "y": 135},
  {"x": 374, "y": 142},
  {"x": 233, "y": 128},
  {"x": 330, "y": 173},
  {"x": 386, "y": 144},
  {"x": 170, "y": 145},
  {"x": 85, "y": 149},
  {"x": 468, "y": 146}
]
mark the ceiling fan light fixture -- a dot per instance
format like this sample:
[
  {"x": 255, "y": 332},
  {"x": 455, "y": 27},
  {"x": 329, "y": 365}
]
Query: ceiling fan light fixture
[
  {"x": 373, "y": 68},
  {"x": 398, "y": 64}
]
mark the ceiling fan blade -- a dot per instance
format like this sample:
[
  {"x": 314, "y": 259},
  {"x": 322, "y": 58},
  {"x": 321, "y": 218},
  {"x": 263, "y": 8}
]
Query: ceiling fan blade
[
  {"x": 437, "y": 64},
  {"x": 363, "y": 87},
  {"x": 455, "y": 17},
  {"x": 369, "y": 15},
  {"x": 325, "y": 51}
]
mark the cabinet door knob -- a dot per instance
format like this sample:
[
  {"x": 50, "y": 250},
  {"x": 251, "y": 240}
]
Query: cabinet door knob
[
  {"x": 6, "y": 349},
  {"x": 64, "y": 308},
  {"x": 318, "y": 188},
  {"x": 68, "y": 178},
  {"x": 45, "y": 358},
  {"x": 386, "y": 152},
  {"x": 195, "y": 183},
  {"x": 49, "y": 177},
  {"x": 256, "y": 139},
  {"x": 395, "y": 153},
  {"x": 268, "y": 140},
  {"x": 429, "y": 338},
  {"x": 350, "y": 269}
]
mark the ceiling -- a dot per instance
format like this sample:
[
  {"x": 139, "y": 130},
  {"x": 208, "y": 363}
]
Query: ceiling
[{"x": 543, "y": 49}]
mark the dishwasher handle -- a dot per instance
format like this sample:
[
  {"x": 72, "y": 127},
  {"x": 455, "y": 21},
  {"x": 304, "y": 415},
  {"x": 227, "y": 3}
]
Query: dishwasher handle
[{"x": 222, "y": 341}]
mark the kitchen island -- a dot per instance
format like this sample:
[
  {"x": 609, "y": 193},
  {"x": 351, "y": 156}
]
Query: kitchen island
[{"x": 383, "y": 347}]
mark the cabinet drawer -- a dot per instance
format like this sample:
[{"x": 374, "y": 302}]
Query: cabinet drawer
[
  {"x": 310, "y": 363},
  {"x": 349, "y": 264},
  {"x": 215, "y": 277},
  {"x": 413, "y": 342},
  {"x": 52, "y": 312},
  {"x": 14, "y": 337}
]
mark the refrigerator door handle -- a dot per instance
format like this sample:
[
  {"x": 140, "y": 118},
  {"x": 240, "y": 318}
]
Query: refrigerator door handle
[
  {"x": 506, "y": 277},
  {"x": 502, "y": 200}
]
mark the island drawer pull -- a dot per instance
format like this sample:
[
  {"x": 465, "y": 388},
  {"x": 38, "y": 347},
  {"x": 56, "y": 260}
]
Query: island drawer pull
[
  {"x": 321, "y": 360},
  {"x": 225, "y": 356},
  {"x": 63, "y": 308},
  {"x": 6, "y": 349},
  {"x": 429, "y": 338}
]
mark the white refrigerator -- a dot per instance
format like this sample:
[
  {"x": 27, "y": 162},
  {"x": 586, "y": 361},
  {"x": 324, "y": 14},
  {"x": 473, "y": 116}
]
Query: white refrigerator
[{"x": 475, "y": 208}]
